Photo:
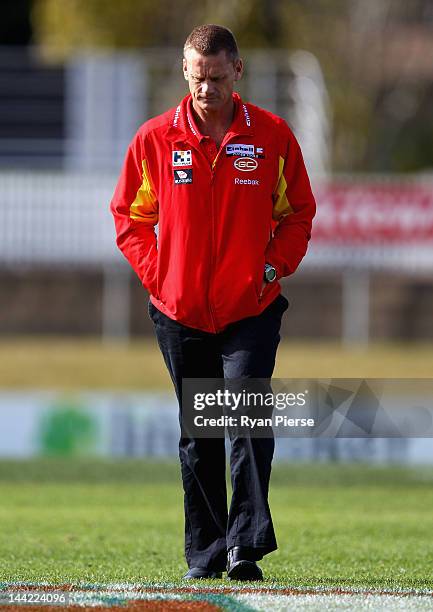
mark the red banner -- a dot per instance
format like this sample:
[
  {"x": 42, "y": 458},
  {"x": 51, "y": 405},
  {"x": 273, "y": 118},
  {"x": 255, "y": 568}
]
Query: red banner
[{"x": 374, "y": 213}]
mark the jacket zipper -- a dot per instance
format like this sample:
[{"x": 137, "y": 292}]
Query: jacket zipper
[
  {"x": 212, "y": 249},
  {"x": 213, "y": 254}
]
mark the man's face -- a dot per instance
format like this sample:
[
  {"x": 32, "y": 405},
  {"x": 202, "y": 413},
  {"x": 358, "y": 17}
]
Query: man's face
[{"x": 211, "y": 78}]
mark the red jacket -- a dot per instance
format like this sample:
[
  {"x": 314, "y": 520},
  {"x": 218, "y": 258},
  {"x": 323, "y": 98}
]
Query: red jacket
[{"x": 218, "y": 223}]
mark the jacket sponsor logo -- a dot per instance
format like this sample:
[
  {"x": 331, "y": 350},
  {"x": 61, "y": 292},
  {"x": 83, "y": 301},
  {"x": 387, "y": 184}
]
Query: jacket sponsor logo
[
  {"x": 245, "y": 150},
  {"x": 191, "y": 127},
  {"x": 182, "y": 158},
  {"x": 240, "y": 149},
  {"x": 239, "y": 181},
  {"x": 181, "y": 177},
  {"x": 176, "y": 116},
  {"x": 247, "y": 117},
  {"x": 245, "y": 164}
]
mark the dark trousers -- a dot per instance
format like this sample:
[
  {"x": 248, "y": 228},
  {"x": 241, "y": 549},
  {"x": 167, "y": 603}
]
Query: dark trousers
[{"x": 244, "y": 349}]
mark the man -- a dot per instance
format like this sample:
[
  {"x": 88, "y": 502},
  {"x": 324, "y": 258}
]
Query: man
[{"x": 226, "y": 183}]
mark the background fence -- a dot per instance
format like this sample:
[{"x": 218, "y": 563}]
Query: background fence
[
  {"x": 64, "y": 128},
  {"x": 372, "y": 245}
]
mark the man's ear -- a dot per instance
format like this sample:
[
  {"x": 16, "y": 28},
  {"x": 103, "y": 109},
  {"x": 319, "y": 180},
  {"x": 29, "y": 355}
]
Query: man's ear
[
  {"x": 185, "y": 69},
  {"x": 239, "y": 69}
]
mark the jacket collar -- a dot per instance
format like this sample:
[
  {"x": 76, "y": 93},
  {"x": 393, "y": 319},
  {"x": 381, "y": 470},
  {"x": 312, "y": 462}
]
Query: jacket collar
[{"x": 182, "y": 128}]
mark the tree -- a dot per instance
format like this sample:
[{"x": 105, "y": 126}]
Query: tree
[{"x": 352, "y": 40}]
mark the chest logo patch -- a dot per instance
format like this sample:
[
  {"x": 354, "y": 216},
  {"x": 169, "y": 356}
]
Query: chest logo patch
[
  {"x": 245, "y": 164},
  {"x": 182, "y": 177},
  {"x": 240, "y": 149},
  {"x": 182, "y": 158},
  {"x": 245, "y": 150}
]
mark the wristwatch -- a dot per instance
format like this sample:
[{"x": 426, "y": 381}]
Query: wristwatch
[{"x": 270, "y": 273}]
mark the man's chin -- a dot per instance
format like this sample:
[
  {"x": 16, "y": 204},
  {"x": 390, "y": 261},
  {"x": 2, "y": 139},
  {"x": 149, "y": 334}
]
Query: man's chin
[{"x": 213, "y": 103}]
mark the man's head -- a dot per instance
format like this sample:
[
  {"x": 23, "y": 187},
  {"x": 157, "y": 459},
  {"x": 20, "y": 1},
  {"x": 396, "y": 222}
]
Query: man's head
[{"x": 211, "y": 65}]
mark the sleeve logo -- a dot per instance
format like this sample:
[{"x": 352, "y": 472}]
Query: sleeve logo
[{"x": 182, "y": 158}]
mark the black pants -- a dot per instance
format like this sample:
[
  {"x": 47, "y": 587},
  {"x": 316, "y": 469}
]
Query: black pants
[{"x": 245, "y": 349}]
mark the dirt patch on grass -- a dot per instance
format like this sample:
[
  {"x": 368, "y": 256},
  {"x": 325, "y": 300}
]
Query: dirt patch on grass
[{"x": 135, "y": 606}]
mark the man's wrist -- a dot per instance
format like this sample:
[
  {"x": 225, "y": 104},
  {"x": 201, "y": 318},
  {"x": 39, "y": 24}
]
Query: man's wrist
[{"x": 270, "y": 273}]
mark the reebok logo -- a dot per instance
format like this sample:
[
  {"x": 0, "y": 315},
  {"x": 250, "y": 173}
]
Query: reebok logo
[{"x": 254, "y": 182}]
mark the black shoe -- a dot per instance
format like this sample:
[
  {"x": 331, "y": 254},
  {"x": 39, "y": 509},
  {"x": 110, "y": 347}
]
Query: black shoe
[
  {"x": 241, "y": 564},
  {"x": 195, "y": 573}
]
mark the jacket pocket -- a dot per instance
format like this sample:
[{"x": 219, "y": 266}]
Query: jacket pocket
[
  {"x": 264, "y": 291},
  {"x": 150, "y": 281},
  {"x": 259, "y": 282},
  {"x": 261, "y": 292},
  {"x": 151, "y": 310}
]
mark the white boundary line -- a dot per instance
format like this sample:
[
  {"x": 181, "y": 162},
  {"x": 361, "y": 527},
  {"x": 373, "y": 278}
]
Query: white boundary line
[{"x": 271, "y": 588}]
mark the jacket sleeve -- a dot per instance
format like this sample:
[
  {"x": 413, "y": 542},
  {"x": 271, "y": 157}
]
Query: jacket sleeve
[
  {"x": 135, "y": 210},
  {"x": 293, "y": 211}
]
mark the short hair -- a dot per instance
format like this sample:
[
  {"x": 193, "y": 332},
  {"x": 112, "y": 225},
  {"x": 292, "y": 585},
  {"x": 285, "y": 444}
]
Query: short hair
[{"x": 210, "y": 39}]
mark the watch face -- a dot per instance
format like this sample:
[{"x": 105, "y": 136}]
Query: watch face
[{"x": 270, "y": 273}]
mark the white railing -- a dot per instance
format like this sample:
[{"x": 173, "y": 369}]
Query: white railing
[
  {"x": 63, "y": 218},
  {"x": 56, "y": 218}
]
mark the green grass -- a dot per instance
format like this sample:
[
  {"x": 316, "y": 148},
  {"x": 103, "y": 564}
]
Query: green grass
[
  {"x": 105, "y": 521},
  {"x": 61, "y": 363}
]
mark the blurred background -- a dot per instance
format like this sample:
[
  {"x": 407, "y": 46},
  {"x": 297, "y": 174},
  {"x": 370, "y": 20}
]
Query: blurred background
[{"x": 80, "y": 370}]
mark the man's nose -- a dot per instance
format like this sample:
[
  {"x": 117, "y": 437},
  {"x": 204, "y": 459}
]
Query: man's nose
[{"x": 204, "y": 87}]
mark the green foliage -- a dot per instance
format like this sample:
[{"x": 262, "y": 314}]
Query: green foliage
[
  {"x": 64, "y": 27},
  {"x": 74, "y": 24},
  {"x": 353, "y": 42}
]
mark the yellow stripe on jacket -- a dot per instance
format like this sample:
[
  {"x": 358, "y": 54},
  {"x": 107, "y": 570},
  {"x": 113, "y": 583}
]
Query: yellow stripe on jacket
[
  {"x": 145, "y": 206},
  {"x": 282, "y": 207}
]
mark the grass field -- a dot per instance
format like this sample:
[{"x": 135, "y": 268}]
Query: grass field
[
  {"x": 108, "y": 526},
  {"x": 108, "y": 522},
  {"x": 69, "y": 363}
]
